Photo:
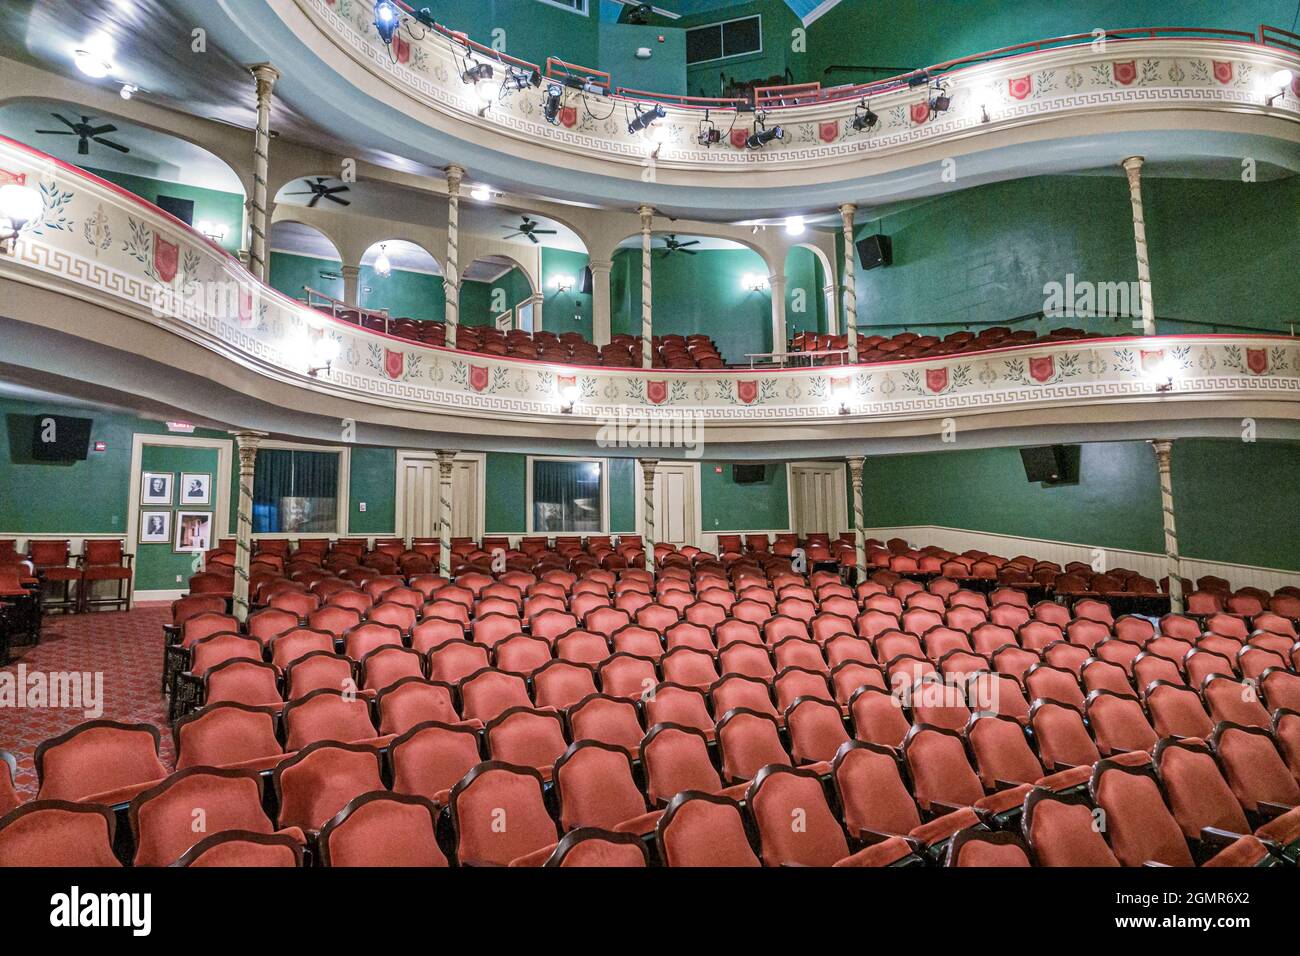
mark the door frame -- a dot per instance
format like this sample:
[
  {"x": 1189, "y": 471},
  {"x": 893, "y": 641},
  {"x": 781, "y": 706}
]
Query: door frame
[
  {"x": 840, "y": 492},
  {"x": 399, "y": 488},
  {"x": 639, "y": 486}
]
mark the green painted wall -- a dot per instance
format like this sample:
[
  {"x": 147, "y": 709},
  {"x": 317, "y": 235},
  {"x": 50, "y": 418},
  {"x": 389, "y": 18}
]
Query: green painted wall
[
  {"x": 663, "y": 72},
  {"x": 622, "y": 495},
  {"x": 906, "y": 34},
  {"x": 727, "y": 506},
  {"x": 778, "y": 53},
  {"x": 805, "y": 304},
  {"x": 411, "y": 295},
  {"x": 565, "y": 311},
  {"x": 209, "y": 204},
  {"x": 158, "y": 566},
  {"x": 291, "y": 273},
  {"x": 373, "y": 480},
  {"x": 699, "y": 293},
  {"x": 506, "y": 507},
  {"x": 984, "y": 255}
]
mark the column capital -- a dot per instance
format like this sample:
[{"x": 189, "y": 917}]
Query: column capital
[
  {"x": 350, "y": 272},
  {"x": 776, "y": 279},
  {"x": 647, "y": 214},
  {"x": 1163, "y": 448},
  {"x": 856, "y": 462},
  {"x": 648, "y": 466},
  {"x": 266, "y": 76},
  {"x": 1133, "y": 164},
  {"x": 455, "y": 176},
  {"x": 600, "y": 265},
  {"x": 847, "y": 211}
]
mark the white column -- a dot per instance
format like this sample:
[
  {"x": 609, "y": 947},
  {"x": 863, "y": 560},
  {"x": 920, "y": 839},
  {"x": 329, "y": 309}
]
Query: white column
[
  {"x": 859, "y": 533},
  {"x": 246, "y": 444},
  {"x": 451, "y": 269},
  {"x": 647, "y": 325},
  {"x": 352, "y": 285},
  {"x": 648, "y": 466},
  {"x": 446, "y": 463},
  {"x": 850, "y": 282},
  {"x": 266, "y": 76},
  {"x": 832, "y": 313},
  {"x": 1164, "y": 449},
  {"x": 600, "y": 310},
  {"x": 1133, "y": 167},
  {"x": 777, "y": 285}
]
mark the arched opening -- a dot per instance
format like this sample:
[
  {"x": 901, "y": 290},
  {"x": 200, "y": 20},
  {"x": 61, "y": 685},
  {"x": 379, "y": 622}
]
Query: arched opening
[
  {"x": 808, "y": 307},
  {"x": 186, "y": 180},
  {"x": 702, "y": 285},
  {"x": 304, "y": 260},
  {"x": 497, "y": 291},
  {"x": 404, "y": 279}
]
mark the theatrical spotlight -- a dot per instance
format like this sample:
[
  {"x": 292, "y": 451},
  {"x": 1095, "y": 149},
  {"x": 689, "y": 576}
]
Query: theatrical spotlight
[
  {"x": 387, "y": 19},
  {"x": 551, "y": 103},
  {"x": 761, "y": 137},
  {"x": 520, "y": 79},
  {"x": 476, "y": 72},
  {"x": 643, "y": 120},
  {"x": 920, "y": 78},
  {"x": 582, "y": 83},
  {"x": 708, "y": 134},
  {"x": 863, "y": 118},
  {"x": 940, "y": 101}
]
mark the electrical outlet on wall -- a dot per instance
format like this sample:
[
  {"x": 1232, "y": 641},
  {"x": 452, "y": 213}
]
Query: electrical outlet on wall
[
  {"x": 362, "y": 507},
  {"x": 178, "y": 579}
]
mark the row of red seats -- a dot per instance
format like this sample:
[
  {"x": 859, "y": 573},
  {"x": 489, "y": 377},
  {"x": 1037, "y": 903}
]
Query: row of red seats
[{"x": 908, "y": 345}]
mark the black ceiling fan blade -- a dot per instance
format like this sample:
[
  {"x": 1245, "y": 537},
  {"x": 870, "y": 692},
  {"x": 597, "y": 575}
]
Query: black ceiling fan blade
[
  {"x": 83, "y": 147},
  {"x": 683, "y": 245},
  {"x": 301, "y": 194},
  {"x": 689, "y": 252},
  {"x": 336, "y": 189},
  {"x": 64, "y": 120},
  {"x": 513, "y": 234},
  {"x": 311, "y": 204},
  {"x": 101, "y": 130},
  {"x": 112, "y": 145},
  {"x": 56, "y": 132},
  {"x": 535, "y": 241},
  {"x": 544, "y": 232},
  {"x": 341, "y": 202}
]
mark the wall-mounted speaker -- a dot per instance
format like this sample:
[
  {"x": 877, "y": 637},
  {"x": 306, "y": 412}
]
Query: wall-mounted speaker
[
  {"x": 584, "y": 281},
  {"x": 1052, "y": 464},
  {"x": 875, "y": 251},
  {"x": 748, "y": 474},
  {"x": 60, "y": 438}
]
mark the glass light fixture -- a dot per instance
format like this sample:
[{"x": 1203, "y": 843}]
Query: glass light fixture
[
  {"x": 94, "y": 58},
  {"x": 383, "y": 265}
]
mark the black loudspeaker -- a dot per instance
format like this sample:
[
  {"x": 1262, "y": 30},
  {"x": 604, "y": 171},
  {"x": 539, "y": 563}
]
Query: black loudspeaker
[
  {"x": 182, "y": 209},
  {"x": 875, "y": 251},
  {"x": 1053, "y": 464},
  {"x": 584, "y": 282},
  {"x": 60, "y": 438},
  {"x": 748, "y": 474}
]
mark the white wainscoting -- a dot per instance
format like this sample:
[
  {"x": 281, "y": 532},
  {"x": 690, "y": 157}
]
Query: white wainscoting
[{"x": 1144, "y": 562}]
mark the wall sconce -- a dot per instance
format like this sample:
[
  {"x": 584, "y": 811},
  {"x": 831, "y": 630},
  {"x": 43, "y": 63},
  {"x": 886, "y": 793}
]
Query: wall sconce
[
  {"x": 754, "y": 282},
  {"x": 562, "y": 283},
  {"x": 19, "y": 205},
  {"x": 324, "y": 351},
  {"x": 1278, "y": 81},
  {"x": 840, "y": 391},
  {"x": 1162, "y": 375},
  {"x": 215, "y": 231},
  {"x": 569, "y": 396}
]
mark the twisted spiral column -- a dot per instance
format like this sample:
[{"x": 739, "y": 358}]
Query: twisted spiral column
[
  {"x": 451, "y": 277},
  {"x": 647, "y": 351},
  {"x": 247, "y": 444},
  {"x": 1164, "y": 464},
  {"x": 1133, "y": 168},
  {"x": 446, "y": 464},
  {"x": 859, "y": 532},
  {"x": 648, "y": 466},
  {"x": 266, "y": 75},
  {"x": 850, "y": 282}
]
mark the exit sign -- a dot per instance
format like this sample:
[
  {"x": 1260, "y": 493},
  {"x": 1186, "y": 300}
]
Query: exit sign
[{"x": 101, "y": 446}]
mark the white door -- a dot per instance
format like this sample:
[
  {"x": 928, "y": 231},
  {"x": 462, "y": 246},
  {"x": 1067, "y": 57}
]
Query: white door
[
  {"x": 677, "y": 518},
  {"x": 818, "y": 499},
  {"x": 417, "y": 496}
]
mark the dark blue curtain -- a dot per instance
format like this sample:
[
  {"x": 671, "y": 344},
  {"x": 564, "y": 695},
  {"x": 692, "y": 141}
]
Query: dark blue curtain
[
  {"x": 566, "y": 497},
  {"x": 285, "y": 474}
]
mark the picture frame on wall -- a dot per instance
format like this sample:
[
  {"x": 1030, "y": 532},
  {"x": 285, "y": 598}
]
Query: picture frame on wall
[
  {"x": 196, "y": 488},
  {"x": 193, "y": 532},
  {"x": 155, "y": 527},
  {"x": 156, "y": 488}
]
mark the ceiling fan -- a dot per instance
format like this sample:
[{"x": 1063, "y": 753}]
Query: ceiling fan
[
  {"x": 529, "y": 228},
  {"x": 85, "y": 133},
  {"x": 317, "y": 190},
  {"x": 671, "y": 245}
]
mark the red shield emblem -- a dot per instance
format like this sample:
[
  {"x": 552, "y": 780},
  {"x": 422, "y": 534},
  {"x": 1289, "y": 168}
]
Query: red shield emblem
[
  {"x": 936, "y": 379},
  {"x": 747, "y": 391},
  {"x": 564, "y": 382},
  {"x": 1295, "y": 86},
  {"x": 394, "y": 363},
  {"x": 1257, "y": 360},
  {"x": 569, "y": 117},
  {"x": 246, "y": 308},
  {"x": 920, "y": 112},
  {"x": 166, "y": 258},
  {"x": 739, "y": 137},
  {"x": 401, "y": 49},
  {"x": 1151, "y": 360},
  {"x": 656, "y": 392},
  {"x": 1042, "y": 368},
  {"x": 16, "y": 179},
  {"x": 829, "y": 132},
  {"x": 478, "y": 377},
  {"x": 1222, "y": 71},
  {"x": 1018, "y": 87},
  {"x": 1126, "y": 72}
]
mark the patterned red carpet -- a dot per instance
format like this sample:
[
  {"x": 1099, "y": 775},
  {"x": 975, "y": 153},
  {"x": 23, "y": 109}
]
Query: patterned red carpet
[{"x": 125, "y": 647}]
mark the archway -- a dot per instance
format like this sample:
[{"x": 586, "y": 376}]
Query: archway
[
  {"x": 808, "y": 306},
  {"x": 403, "y": 278},
  {"x": 303, "y": 261}
]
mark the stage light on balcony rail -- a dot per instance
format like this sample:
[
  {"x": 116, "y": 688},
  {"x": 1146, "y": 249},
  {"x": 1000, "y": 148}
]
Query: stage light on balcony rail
[
  {"x": 644, "y": 120},
  {"x": 19, "y": 205},
  {"x": 519, "y": 79},
  {"x": 383, "y": 265},
  {"x": 761, "y": 137},
  {"x": 551, "y": 103},
  {"x": 863, "y": 118},
  {"x": 794, "y": 226},
  {"x": 387, "y": 19},
  {"x": 940, "y": 100}
]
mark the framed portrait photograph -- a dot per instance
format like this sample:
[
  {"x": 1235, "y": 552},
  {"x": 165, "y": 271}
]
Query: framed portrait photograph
[
  {"x": 156, "y": 488},
  {"x": 155, "y": 527},
  {"x": 196, "y": 488},
  {"x": 193, "y": 531}
]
